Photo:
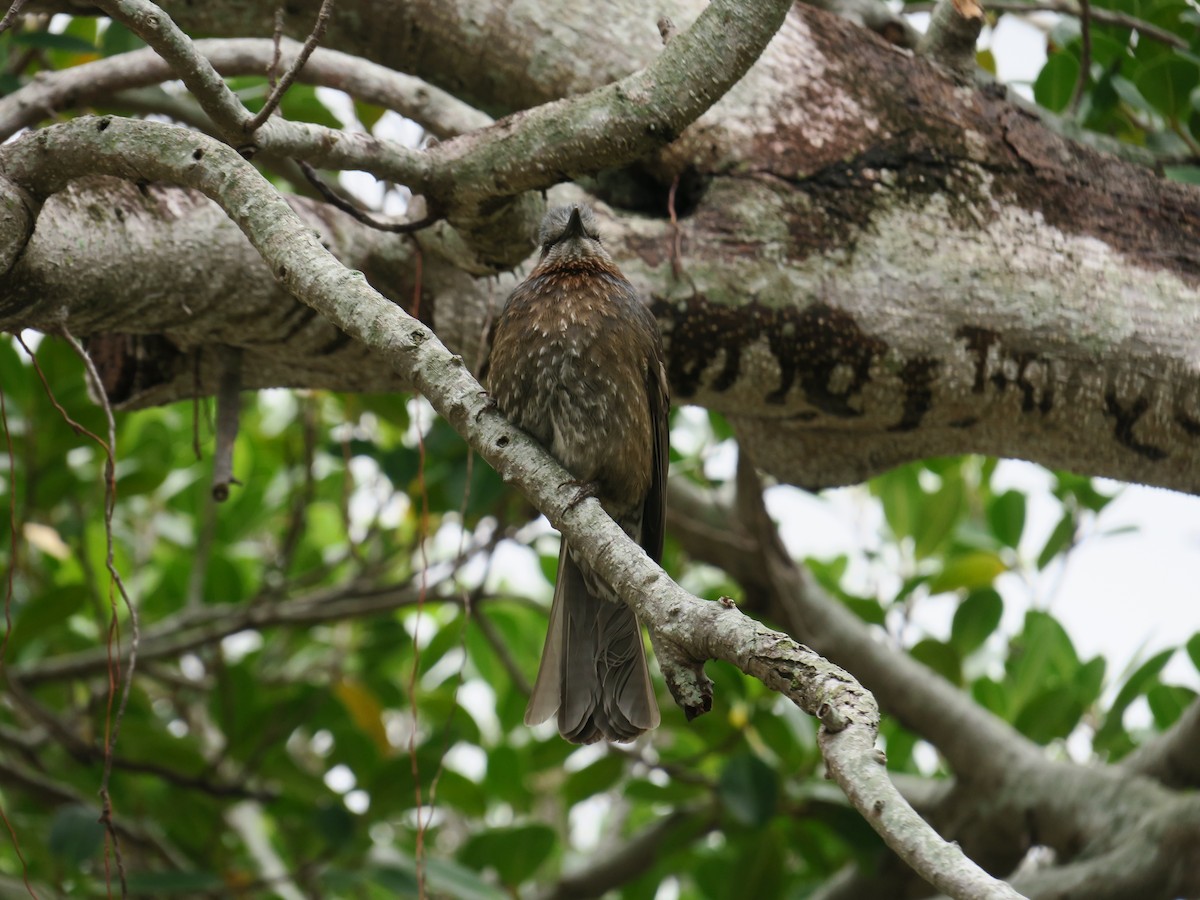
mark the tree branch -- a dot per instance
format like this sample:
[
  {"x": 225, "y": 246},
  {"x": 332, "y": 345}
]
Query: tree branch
[
  {"x": 635, "y": 856},
  {"x": 702, "y": 630},
  {"x": 91, "y": 83},
  {"x": 1171, "y": 757}
]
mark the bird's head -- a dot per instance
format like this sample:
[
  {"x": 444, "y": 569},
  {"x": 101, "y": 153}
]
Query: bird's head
[{"x": 569, "y": 234}]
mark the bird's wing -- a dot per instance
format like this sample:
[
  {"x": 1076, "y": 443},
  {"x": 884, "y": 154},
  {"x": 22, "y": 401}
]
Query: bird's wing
[{"x": 654, "y": 512}]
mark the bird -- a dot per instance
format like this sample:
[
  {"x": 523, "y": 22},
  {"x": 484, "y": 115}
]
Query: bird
[{"x": 576, "y": 361}]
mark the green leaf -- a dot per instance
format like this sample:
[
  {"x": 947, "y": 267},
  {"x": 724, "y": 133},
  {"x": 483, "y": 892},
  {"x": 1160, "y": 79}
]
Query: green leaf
[
  {"x": 461, "y": 793},
  {"x": 515, "y": 853},
  {"x": 1167, "y": 703},
  {"x": 941, "y": 657},
  {"x": 1193, "y": 649},
  {"x": 1042, "y": 657},
  {"x": 301, "y": 104},
  {"x": 1090, "y": 680},
  {"x": 1006, "y": 517},
  {"x": 1168, "y": 16},
  {"x": 368, "y": 113},
  {"x": 940, "y": 512},
  {"x": 749, "y": 790},
  {"x": 41, "y": 616},
  {"x": 1062, "y": 536},
  {"x": 45, "y": 40},
  {"x": 1110, "y": 736},
  {"x": 976, "y": 569},
  {"x": 75, "y": 834},
  {"x": 1056, "y": 82},
  {"x": 1141, "y": 680},
  {"x": 758, "y": 866},
  {"x": 866, "y": 608},
  {"x": 334, "y": 823},
  {"x": 1183, "y": 174},
  {"x": 901, "y": 497},
  {"x": 119, "y": 39},
  {"x": 1167, "y": 82},
  {"x": 975, "y": 620},
  {"x": 992, "y": 696},
  {"x": 593, "y": 779},
  {"x": 1050, "y": 715},
  {"x": 443, "y": 878}
]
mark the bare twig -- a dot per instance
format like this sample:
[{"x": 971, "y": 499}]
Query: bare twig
[
  {"x": 278, "y": 90},
  {"x": 332, "y": 197},
  {"x": 12, "y": 832},
  {"x": 277, "y": 40},
  {"x": 195, "y": 627},
  {"x": 676, "y": 238},
  {"x": 110, "y": 500},
  {"x": 635, "y": 856},
  {"x": 84, "y": 751},
  {"x": 500, "y": 648},
  {"x": 12, "y": 528},
  {"x": 229, "y": 399},
  {"x": 11, "y": 15},
  {"x": 1098, "y": 15}
]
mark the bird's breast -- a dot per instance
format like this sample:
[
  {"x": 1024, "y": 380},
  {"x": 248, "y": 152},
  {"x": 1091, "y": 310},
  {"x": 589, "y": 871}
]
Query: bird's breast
[{"x": 569, "y": 365}]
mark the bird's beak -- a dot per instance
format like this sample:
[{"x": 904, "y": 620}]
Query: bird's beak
[{"x": 574, "y": 225}]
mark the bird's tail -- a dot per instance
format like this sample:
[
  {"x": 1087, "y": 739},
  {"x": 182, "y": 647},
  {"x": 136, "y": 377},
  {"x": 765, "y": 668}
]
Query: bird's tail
[{"x": 593, "y": 671}]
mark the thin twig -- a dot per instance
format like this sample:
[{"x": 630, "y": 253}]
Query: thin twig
[
  {"x": 1085, "y": 56},
  {"x": 17, "y": 847},
  {"x": 12, "y": 528},
  {"x": 357, "y": 214},
  {"x": 277, "y": 52},
  {"x": 1098, "y": 15},
  {"x": 422, "y": 541},
  {"x": 303, "y": 499},
  {"x": 11, "y": 15},
  {"x": 110, "y": 500},
  {"x": 289, "y": 76},
  {"x": 488, "y": 629},
  {"x": 229, "y": 390},
  {"x": 676, "y": 239}
]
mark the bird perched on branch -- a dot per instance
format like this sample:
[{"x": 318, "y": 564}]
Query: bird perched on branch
[{"x": 577, "y": 362}]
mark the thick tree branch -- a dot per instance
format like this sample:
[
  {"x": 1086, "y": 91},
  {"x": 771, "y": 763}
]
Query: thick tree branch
[
  {"x": 92, "y": 83},
  {"x": 1171, "y": 757}
]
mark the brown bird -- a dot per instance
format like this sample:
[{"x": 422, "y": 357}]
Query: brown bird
[{"x": 577, "y": 362}]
